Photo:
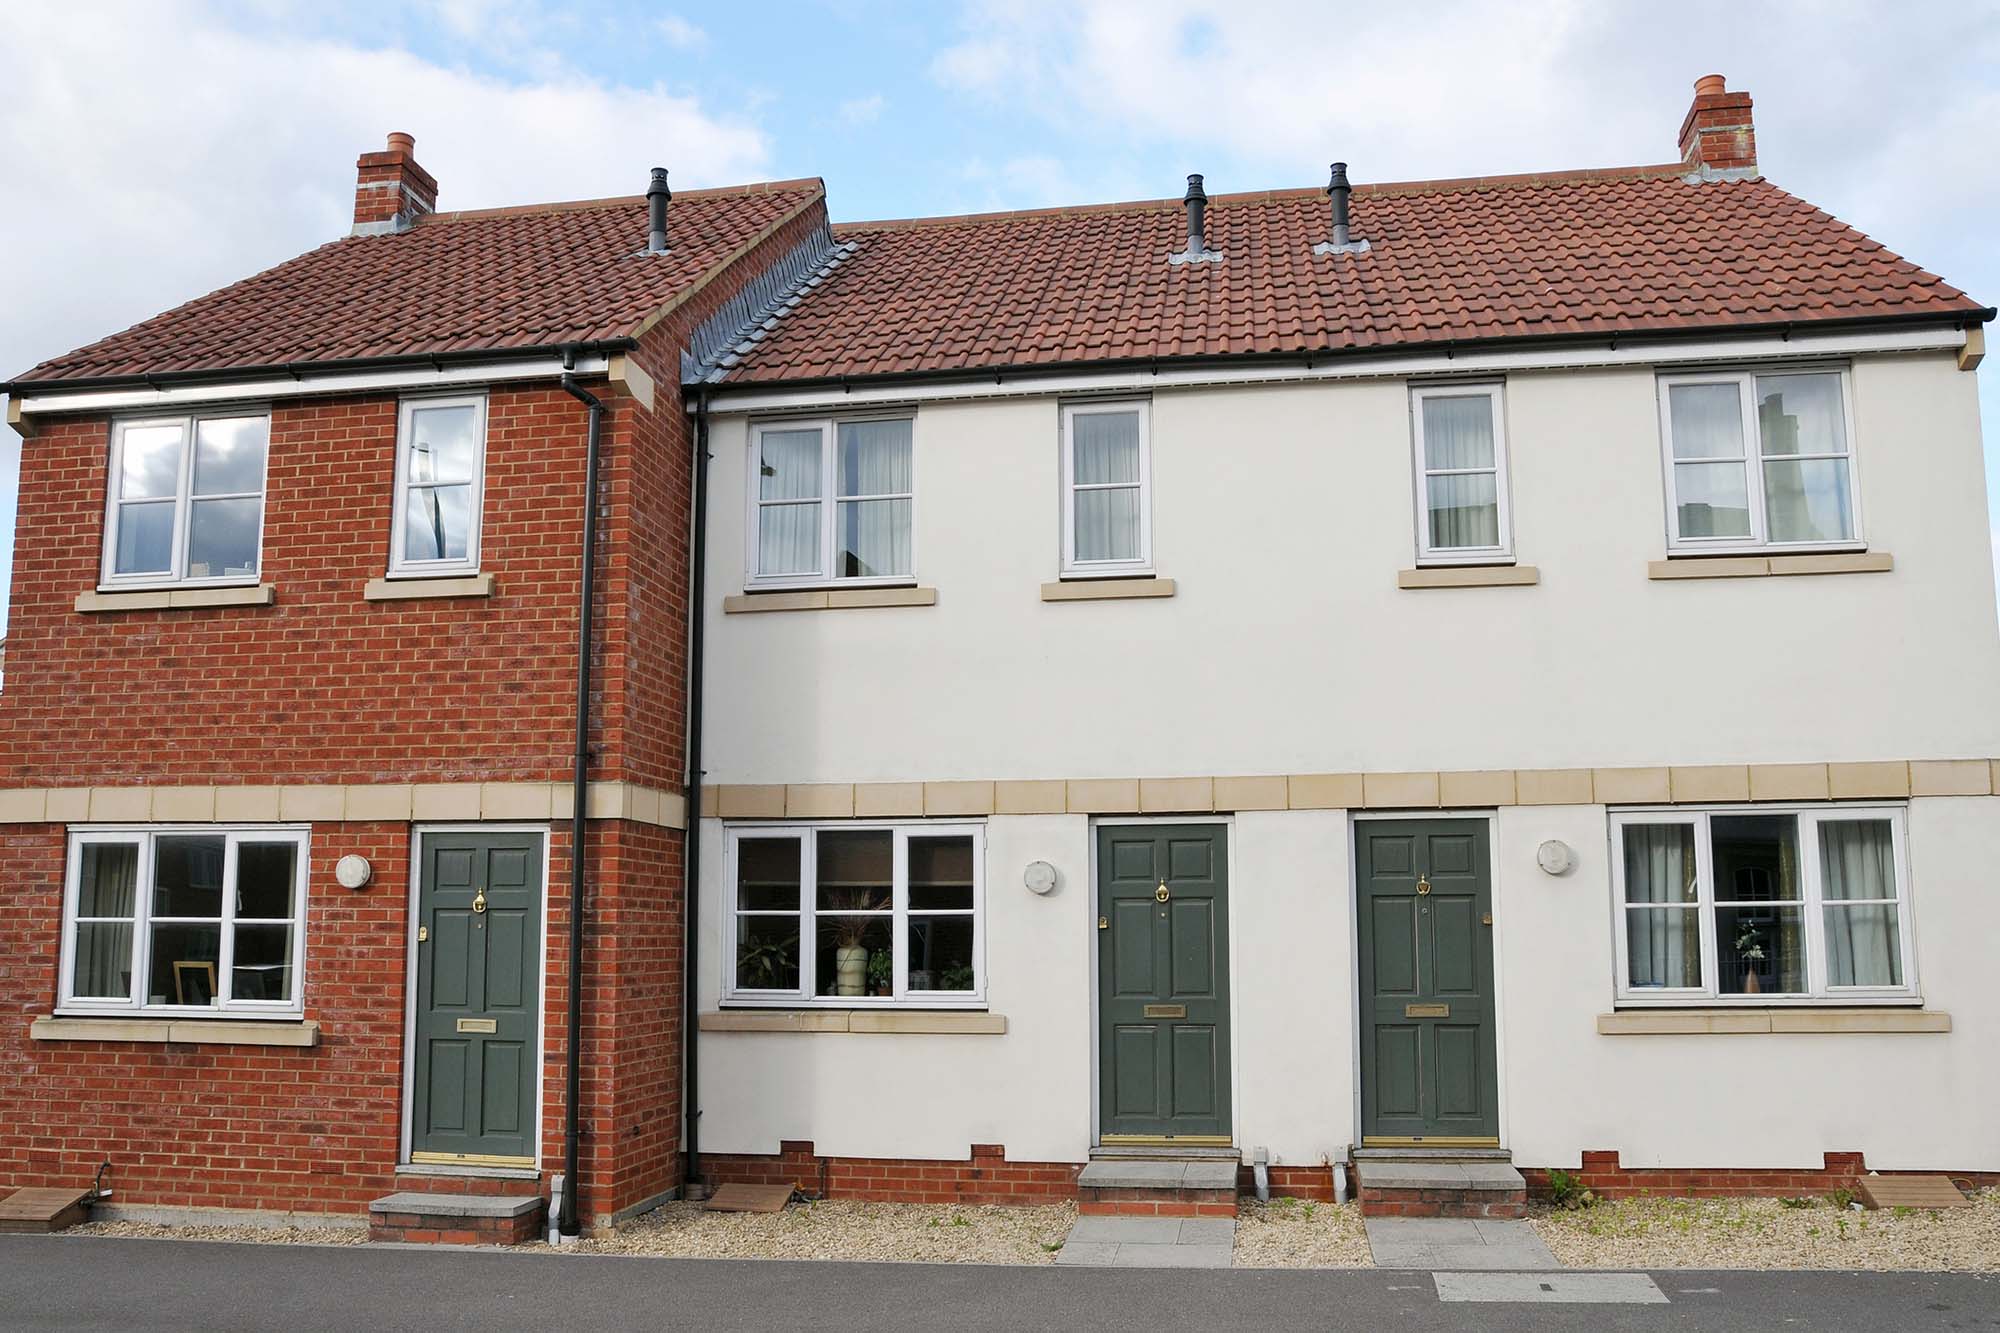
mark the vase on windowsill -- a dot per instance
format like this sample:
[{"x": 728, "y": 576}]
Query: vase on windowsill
[
  {"x": 1751, "y": 986},
  {"x": 850, "y": 970}
]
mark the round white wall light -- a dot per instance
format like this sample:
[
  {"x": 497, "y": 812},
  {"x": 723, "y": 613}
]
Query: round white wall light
[
  {"x": 1554, "y": 857},
  {"x": 353, "y": 871},
  {"x": 1040, "y": 877}
]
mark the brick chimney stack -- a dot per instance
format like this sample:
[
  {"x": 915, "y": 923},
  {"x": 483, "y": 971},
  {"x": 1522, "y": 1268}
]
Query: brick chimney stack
[
  {"x": 391, "y": 191},
  {"x": 1717, "y": 136}
]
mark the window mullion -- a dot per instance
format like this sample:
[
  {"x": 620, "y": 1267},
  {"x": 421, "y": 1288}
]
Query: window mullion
[
  {"x": 142, "y": 920},
  {"x": 899, "y": 916},
  {"x": 1753, "y": 449},
  {"x": 1704, "y": 861},
  {"x": 225, "y": 961},
  {"x": 808, "y": 924},
  {"x": 1810, "y": 899},
  {"x": 183, "y": 503},
  {"x": 829, "y": 485}
]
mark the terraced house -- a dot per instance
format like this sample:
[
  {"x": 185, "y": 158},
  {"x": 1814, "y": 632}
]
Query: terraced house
[{"x": 1440, "y": 679}]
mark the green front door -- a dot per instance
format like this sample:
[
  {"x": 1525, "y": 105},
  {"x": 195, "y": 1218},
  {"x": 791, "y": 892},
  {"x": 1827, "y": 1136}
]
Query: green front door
[
  {"x": 478, "y": 998},
  {"x": 1425, "y": 889},
  {"x": 1163, "y": 982}
]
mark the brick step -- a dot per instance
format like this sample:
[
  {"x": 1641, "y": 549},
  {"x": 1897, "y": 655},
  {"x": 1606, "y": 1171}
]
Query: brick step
[
  {"x": 1155, "y": 1187},
  {"x": 512, "y": 1184},
  {"x": 1432, "y": 1188},
  {"x": 456, "y": 1219}
]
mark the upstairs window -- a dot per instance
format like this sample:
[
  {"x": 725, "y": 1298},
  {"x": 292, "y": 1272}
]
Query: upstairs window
[
  {"x": 1758, "y": 461},
  {"x": 831, "y": 502},
  {"x": 186, "y": 499},
  {"x": 1759, "y": 905},
  {"x": 1461, "y": 463},
  {"x": 440, "y": 480},
  {"x": 1107, "y": 490}
]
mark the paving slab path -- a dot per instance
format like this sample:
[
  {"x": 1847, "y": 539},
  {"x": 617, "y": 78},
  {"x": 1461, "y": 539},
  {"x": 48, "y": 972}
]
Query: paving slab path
[
  {"x": 1150, "y": 1242},
  {"x": 1437, "y": 1243}
]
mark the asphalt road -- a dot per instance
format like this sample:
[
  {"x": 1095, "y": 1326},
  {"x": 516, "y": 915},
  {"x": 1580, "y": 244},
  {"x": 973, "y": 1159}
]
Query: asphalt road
[{"x": 86, "y": 1282}]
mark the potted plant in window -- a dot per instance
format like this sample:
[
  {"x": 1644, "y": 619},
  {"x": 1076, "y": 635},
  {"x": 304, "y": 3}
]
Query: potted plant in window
[
  {"x": 1750, "y": 948},
  {"x": 764, "y": 964},
  {"x": 880, "y": 966}
]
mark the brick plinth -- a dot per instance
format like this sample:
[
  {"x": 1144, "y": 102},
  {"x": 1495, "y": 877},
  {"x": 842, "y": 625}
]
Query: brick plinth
[
  {"x": 427, "y": 1228},
  {"x": 1444, "y": 1203},
  {"x": 1291, "y": 1182},
  {"x": 985, "y": 1177},
  {"x": 1604, "y": 1174}
]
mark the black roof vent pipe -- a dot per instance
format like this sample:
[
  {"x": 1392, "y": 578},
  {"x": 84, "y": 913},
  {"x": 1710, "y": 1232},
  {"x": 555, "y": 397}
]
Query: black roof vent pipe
[
  {"x": 1343, "y": 242},
  {"x": 657, "y": 197},
  {"x": 1197, "y": 215}
]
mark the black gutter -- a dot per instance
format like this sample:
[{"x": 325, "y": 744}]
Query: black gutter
[
  {"x": 693, "y": 1186},
  {"x": 297, "y": 370},
  {"x": 566, "y": 1219},
  {"x": 1323, "y": 356}
]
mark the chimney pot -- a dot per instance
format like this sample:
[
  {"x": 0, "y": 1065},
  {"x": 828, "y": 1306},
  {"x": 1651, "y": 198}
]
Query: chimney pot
[
  {"x": 657, "y": 198},
  {"x": 1718, "y": 136},
  {"x": 391, "y": 191},
  {"x": 1196, "y": 200}
]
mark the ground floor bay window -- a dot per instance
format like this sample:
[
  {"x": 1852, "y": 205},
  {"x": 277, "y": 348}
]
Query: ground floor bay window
[
  {"x": 184, "y": 920},
  {"x": 855, "y": 915},
  {"x": 1759, "y": 904}
]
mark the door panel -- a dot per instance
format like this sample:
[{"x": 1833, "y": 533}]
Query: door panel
[
  {"x": 1163, "y": 981},
  {"x": 1424, "y": 892},
  {"x": 476, "y": 1080}
]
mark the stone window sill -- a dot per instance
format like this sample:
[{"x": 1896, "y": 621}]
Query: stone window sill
[
  {"x": 1762, "y": 566},
  {"x": 1106, "y": 590},
  {"x": 908, "y": 1021},
  {"x": 402, "y": 590},
  {"x": 1469, "y": 576},
  {"x": 828, "y": 599},
  {"x": 176, "y": 599},
  {"x": 1802, "y": 1018},
  {"x": 189, "y": 1031}
]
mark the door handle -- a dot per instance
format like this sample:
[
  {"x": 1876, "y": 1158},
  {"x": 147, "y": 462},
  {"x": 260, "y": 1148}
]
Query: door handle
[
  {"x": 423, "y": 934},
  {"x": 1160, "y": 894}
]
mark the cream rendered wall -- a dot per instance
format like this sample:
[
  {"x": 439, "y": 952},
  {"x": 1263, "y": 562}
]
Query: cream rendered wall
[
  {"x": 1284, "y": 514},
  {"x": 1907, "y": 1100},
  {"x": 881, "y": 1095}
]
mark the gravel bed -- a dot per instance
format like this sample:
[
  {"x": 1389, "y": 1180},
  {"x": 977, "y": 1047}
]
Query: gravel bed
[
  {"x": 1292, "y": 1233},
  {"x": 839, "y": 1229},
  {"x": 1772, "y": 1233},
  {"x": 258, "y": 1235}
]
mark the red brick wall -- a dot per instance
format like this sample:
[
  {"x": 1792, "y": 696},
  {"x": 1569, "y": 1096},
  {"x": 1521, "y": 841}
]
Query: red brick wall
[
  {"x": 985, "y": 1177},
  {"x": 1603, "y": 1174}
]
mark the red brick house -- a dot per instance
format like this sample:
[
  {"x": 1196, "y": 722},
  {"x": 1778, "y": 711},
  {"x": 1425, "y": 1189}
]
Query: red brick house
[{"x": 1052, "y": 594}]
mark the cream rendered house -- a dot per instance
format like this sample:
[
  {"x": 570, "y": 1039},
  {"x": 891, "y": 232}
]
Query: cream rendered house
[{"x": 1506, "y": 667}]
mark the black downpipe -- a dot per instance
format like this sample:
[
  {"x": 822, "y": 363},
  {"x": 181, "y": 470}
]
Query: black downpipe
[
  {"x": 691, "y": 882},
  {"x": 566, "y": 1219}
]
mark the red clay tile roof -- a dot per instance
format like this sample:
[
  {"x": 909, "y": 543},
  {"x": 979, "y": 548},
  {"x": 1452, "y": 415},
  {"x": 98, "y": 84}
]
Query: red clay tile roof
[
  {"x": 495, "y": 280},
  {"x": 1640, "y": 249}
]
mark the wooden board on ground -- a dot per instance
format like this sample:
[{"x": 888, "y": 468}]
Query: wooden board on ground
[
  {"x": 750, "y": 1199},
  {"x": 36, "y": 1210},
  {"x": 1910, "y": 1192}
]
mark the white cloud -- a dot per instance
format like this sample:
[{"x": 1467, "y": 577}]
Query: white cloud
[
  {"x": 680, "y": 34},
  {"x": 862, "y": 110}
]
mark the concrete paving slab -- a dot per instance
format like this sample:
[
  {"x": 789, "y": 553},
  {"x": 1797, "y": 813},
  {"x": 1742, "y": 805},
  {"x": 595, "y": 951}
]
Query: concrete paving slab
[
  {"x": 1173, "y": 1256},
  {"x": 1434, "y": 1243},
  {"x": 1207, "y": 1231},
  {"x": 1098, "y": 1229},
  {"x": 1085, "y": 1253},
  {"x": 1132, "y": 1175},
  {"x": 1209, "y": 1176},
  {"x": 1149, "y": 1242},
  {"x": 1551, "y": 1288}
]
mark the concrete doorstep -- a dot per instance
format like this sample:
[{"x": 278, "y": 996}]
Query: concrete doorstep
[{"x": 1150, "y": 1242}]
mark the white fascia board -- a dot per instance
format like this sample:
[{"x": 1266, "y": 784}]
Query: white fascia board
[
  {"x": 305, "y": 385},
  {"x": 1471, "y": 362}
]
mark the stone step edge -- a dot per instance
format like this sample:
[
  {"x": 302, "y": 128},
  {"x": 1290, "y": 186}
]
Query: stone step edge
[{"x": 414, "y": 1203}]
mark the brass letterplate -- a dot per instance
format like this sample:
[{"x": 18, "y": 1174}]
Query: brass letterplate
[
  {"x": 1427, "y": 1011},
  {"x": 478, "y": 1025},
  {"x": 1166, "y": 1011}
]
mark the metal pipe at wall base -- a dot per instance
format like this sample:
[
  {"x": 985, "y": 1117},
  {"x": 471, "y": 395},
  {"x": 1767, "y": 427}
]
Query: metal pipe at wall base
[
  {"x": 693, "y": 1185},
  {"x": 573, "y": 1066}
]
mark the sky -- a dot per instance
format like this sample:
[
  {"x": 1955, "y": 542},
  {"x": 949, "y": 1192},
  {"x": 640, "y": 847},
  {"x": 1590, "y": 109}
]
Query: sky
[{"x": 154, "y": 150}]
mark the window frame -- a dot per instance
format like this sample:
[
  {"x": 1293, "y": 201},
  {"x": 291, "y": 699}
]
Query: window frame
[
  {"x": 108, "y": 579},
  {"x": 1812, "y": 903},
  {"x": 828, "y": 503},
  {"x": 147, "y": 837},
  {"x": 1758, "y": 542},
  {"x": 900, "y": 997},
  {"x": 1427, "y": 554},
  {"x": 1073, "y": 568},
  {"x": 406, "y": 409}
]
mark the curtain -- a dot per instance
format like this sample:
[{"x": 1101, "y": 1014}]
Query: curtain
[
  {"x": 1858, "y": 867},
  {"x": 1713, "y": 497},
  {"x": 874, "y": 460},
  {"x": 107, "y": 889},
  {"x": 1662, "y": 922},
  {"x": 1464, "y": 504},
  {"x": 788, "y": 493},
  {"x": 1105, "y": 458}
]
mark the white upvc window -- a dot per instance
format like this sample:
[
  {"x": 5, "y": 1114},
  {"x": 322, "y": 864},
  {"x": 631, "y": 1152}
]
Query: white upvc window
[
  {"x": 197, "y": 920},
  {"x": 440, "y": 487},
  {"x": 831, "y": 501},
  {"x": 1763, "y": 905},
  {"x": 1759, "y": 460},
  {"x": 1461, "y": 475},
  {"x": 855, "y": 915},
  {"x": 1107, "y": 490},
  {"x": 185, "y": 500}
]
